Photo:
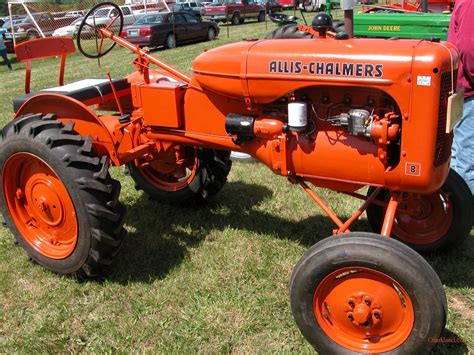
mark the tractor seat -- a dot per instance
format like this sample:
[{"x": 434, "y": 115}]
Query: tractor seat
[{"x": 88, "y": 91}]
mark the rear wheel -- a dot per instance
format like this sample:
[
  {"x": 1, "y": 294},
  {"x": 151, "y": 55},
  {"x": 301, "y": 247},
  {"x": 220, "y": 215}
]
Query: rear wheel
[
  {"x": 171, "y": 41},
  {"x": 288, "y": 32},
  {"x": 360, "y": 292},
  {"x": 338, "y": 26},
  {"x": 261, "y": 16},
  {"x": 195, "y": 176},
  {"x": 211, "y": 34},
  {"x": 57, "y": 196},
  {"x": 32, "y": 35},
  {"x": 235, "y": 19},
  {"x": 429, "y": 223}
]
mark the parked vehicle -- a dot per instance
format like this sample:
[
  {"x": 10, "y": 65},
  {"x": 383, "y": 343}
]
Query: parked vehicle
[
  {"x": 103, "y": 16},
  {"x": 235, "y": 11},
  {"x": 196, "y": 7},
  {"x": 170, "y": 29},
  {"x": 27, "y": 30},
  {"x": 78, "y": 13},
  {"x": 68, "y": 31},
  {"x": 184, "y": 6},
  {"x": 7, "y": 23},
  {"x": 271, "y": 6},
  {"x": 412, "y": 5}
]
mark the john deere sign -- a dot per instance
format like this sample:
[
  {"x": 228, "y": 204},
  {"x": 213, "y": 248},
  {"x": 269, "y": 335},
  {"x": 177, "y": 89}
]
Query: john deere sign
[{"x": 406, "y": 25}]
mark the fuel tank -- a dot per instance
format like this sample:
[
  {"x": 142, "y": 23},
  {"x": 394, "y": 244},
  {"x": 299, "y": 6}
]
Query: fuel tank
[{"x": 265, "y": 70}]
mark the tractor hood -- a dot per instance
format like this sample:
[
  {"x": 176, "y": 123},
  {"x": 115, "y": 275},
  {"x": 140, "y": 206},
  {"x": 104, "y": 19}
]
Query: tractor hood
[{"x": 265, "y": 70}]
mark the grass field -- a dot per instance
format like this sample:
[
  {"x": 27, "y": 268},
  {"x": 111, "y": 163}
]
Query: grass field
[{"x": 211, "y": 280}]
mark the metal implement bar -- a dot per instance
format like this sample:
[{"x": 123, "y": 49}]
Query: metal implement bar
[
  {"x": 361, "y": 210},
  {"x": 152, "y": 59},
  {"x": 390, "y": 214}
]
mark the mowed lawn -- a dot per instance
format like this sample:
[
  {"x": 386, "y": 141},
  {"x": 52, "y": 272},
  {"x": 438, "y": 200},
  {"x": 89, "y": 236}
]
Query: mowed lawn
[{"x": 211, "y": 280}]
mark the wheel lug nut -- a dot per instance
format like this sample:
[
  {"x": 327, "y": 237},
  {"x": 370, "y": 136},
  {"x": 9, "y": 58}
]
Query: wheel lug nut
[
  {"x": 377, "y": 314},
  {"x": 351, "y": 302},
  {"x": 350, "y": 316},
  {"x": 367, "y": 301}
]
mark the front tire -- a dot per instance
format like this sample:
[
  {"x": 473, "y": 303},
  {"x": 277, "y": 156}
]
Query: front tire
[
  {"x": 201, "y": 176},
  {"x": 429, "y": 223},
  {"x": 361, "y": 292},
  {"x": 58, "y": 198}
]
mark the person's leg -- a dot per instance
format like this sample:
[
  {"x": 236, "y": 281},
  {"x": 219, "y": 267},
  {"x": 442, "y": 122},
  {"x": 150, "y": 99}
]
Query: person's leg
[
  {"x": 6, "y": 60},
  {"x": 462, "y": 160}
]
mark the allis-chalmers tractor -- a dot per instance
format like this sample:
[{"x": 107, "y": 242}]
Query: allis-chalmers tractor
[{"x": 318, "y": 109}]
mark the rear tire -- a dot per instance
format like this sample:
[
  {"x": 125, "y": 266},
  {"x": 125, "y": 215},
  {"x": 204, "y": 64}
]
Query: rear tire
[
  {"x": 444, "y": 222},
  {"x": 208, "y": 175},
  {"x": 211, "y": 34},
  {"x": 261, "y": 16},
  {"x": 288, "y": 32},
  {"x": 58, "y": 197},
  {"x": 170, "y": 41},
  {"x": 338, "y": 26},
  {"x": 235, "y": 19},
  {"x": 361, "y": 292},
  {"x": 32, "y": 35}
]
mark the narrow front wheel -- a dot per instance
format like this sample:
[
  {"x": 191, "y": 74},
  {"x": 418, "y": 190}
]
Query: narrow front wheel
[{"x": 361, "y": 292}]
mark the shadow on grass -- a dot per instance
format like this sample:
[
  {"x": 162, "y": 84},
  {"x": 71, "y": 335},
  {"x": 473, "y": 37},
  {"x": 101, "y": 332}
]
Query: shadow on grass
[
  {"x": 454, "y": 268},
  {"x": 161, "y": 235}
]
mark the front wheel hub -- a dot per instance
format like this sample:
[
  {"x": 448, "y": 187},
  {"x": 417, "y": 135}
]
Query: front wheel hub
[
  {"x": 361, "y": 308},
  {"x": 40, "y": 206}
]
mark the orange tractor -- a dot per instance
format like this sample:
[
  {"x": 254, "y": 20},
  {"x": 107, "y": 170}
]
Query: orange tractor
[{"x": 326, "y": 111}]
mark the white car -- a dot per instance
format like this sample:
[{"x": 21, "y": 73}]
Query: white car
[
  {"x": 104, "y": 15},
  {"x": 69, "y": 31}
]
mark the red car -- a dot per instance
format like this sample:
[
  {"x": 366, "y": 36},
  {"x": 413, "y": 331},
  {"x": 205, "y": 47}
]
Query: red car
[
  {"x": 235, "y": 11},
  {"x": 170, "y": 29}
]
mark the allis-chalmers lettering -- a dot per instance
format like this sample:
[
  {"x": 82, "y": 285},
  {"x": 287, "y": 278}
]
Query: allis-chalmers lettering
[{"x": 327, "y": 68}]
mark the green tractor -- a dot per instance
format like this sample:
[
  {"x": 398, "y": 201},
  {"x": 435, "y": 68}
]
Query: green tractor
[{"x": 417, "y": 19}]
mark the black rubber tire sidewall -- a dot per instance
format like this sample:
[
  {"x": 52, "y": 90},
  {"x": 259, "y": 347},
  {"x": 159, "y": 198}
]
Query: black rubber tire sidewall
[
  {"x": 393, "y": 258},
  {"x": 211, "y": 34},
  {"x": 461, "y": 199},
  {"x": 81, "y": 252},
  {"x": 212, "y": 168},
  {"x": 94, "y": 194},
  {"x": 288, "y": 32},
  {"x": 235, "y": 19},
  {"x": 170, "y": 44}
]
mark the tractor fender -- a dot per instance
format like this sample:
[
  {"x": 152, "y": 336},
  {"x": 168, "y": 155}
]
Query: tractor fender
[{"x": 86, "y": 121}]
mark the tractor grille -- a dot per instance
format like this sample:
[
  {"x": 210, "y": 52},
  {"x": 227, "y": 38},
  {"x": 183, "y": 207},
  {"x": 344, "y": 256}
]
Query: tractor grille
[{"x": 444, "y": 140}]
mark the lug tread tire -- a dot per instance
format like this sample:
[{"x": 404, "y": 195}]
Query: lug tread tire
[
  {"x": 211, "y": 176},
  {"x": 361, "y": 249},
  {"x": 288, "y": 32},
  {"x": 93, "y": 192}
]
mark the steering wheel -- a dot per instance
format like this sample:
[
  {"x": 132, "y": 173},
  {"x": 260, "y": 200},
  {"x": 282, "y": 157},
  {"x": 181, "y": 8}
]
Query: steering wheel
[{"x": 90, "y": 40}]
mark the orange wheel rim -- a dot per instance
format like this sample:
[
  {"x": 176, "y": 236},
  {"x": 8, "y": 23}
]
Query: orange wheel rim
[
  {"x": 40, "y": 205},
  {"x": 423, "y": 219},
  {"x": 172, "y": 176},
  {"x": 363, "y": 310}
]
